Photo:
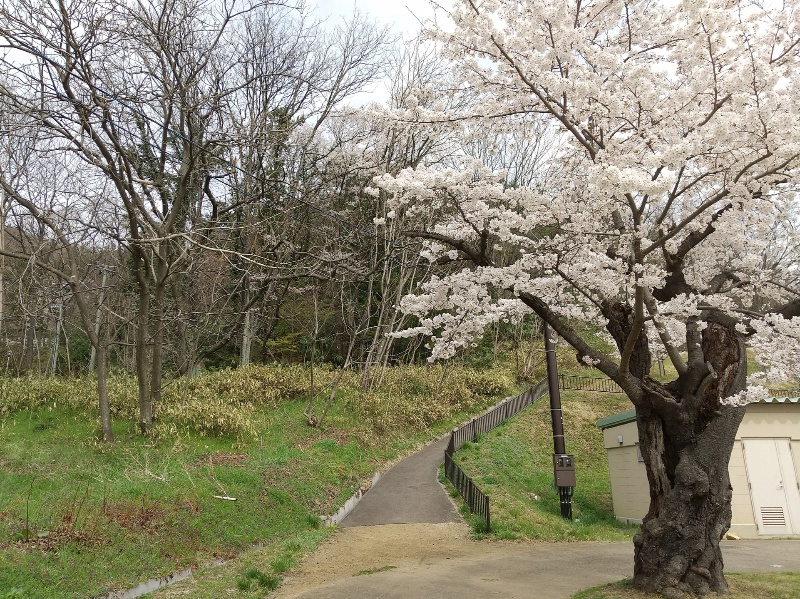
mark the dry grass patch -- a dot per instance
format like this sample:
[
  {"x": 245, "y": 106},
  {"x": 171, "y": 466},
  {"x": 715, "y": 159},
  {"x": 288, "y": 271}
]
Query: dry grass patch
[{"x": 780, "y": 585}]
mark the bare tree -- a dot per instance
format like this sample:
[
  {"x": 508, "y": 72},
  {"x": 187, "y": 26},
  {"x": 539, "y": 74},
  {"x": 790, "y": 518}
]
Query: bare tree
[
  {"x": 202, "y": 126},
  {"x": 274, "y": 219},
  {"x": 135, "y": 91},
  {"x": 30, "y": 179}
]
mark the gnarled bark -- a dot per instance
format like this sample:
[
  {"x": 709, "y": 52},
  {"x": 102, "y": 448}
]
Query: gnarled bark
[{"x": 686, "y": 438}]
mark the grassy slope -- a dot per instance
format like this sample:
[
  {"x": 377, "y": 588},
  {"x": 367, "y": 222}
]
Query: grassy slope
[
  {"x": 78, "y": 518},
  {"x": 513, "y": 465},
  {"x": 141, "y": 509}
]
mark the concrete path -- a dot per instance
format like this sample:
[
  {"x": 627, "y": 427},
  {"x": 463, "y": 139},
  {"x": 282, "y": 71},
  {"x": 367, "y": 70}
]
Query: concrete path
[
  {"x": 541, "y": 570},
  {"x": 408, "y": 493},
  {"x": 408, "y": 532}
]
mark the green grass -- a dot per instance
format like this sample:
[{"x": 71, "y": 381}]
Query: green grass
[
  {"x": 782, "y": 585},
  {"x": 80, "y": 518},
  {"x": 142, "y": 508},
  {"x": 374, "y": 570},
  {"x": 513, "y": 465},
  {"x": 256, "y": 579}
]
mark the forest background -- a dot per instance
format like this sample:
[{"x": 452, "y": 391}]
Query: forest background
[{"x": 183, "y": 189}]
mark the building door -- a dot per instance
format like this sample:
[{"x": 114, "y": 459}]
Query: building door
[{"x": 773, "y": 486}]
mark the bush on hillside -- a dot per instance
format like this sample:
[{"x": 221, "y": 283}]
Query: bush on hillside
[
  {"x": 31, "y": 392},
  {"x": 222, "y": 402},
  {"x": 417, "y": 396},
  {"x": 245, "y": 386},
  {"x": 214, "y": 403}
]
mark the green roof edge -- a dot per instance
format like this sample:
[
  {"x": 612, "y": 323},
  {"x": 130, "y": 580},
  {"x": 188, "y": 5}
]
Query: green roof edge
[
  {"x": 617, "y": 419},
  {"x": 630, "y": 415}
]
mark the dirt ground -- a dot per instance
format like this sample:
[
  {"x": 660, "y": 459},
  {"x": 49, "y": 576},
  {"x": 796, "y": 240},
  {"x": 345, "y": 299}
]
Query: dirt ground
[
  {"x": 367, "y": 549},
  {"x": 407, "y": 561}
]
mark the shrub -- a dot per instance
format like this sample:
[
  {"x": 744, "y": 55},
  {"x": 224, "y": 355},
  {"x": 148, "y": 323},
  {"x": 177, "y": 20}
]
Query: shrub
[
  {"x": 32, "y": 392},
  {"x": 210, "y": 416},
  {"x": 418, "y": 397},
  {"x": 222, "y": 402},
  {"x": 245, "y": 386}
]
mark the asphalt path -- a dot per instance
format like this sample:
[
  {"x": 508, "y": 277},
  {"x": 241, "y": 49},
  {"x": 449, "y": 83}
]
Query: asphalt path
[
  {"x": 540, "y": 571},
  {"x": 409, "y": 493}
]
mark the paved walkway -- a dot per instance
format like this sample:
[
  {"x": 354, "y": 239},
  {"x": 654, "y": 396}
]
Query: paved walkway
[
  {"x": 407, "y": 532},
  {"x": 409, "y": 493},
  {"x": 540, "y": 570}
]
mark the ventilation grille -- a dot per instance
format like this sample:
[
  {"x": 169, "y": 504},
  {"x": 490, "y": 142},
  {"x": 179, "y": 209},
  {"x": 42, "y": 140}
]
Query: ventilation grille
[{"x": 773, "y": 516}]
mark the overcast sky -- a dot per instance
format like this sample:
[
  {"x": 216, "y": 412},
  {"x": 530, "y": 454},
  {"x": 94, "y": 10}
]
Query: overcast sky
[{"x": 397, "y": 13}]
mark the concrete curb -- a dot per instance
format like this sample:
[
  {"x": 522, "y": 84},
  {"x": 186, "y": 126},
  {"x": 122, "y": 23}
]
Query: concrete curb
[{"x": 351, "y": 503}]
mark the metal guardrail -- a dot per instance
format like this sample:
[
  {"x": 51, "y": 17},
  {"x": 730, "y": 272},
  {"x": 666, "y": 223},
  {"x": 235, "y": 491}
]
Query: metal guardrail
[
  {"x": 588, "y": 383},
  {"x": 494, "y": 417},
  {"x": 476, "y": 499}
]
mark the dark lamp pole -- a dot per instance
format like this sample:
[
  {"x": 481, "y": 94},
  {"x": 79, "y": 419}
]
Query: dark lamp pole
[{"x": 563, "y": 463}]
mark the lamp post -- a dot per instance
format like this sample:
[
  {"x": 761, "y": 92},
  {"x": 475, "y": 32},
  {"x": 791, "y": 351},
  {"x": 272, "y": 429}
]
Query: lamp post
[{"x": 563, "y": 463}]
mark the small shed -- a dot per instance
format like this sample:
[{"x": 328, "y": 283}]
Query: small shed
[{"x": 764, "y": 469}]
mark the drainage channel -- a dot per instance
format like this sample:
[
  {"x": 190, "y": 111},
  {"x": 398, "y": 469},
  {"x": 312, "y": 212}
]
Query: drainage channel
[
  {"x": 349, "y": 504},
  {"x": 151, "y": 585}
]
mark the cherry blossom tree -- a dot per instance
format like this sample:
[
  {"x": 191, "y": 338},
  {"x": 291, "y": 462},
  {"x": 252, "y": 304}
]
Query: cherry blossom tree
[{"x": 677, "y": 153}]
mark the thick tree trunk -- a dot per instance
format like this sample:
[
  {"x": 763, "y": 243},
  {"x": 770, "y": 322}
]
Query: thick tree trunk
[
  {"x": 677, "y": 549},
  {"x": 686, "y": 438}
]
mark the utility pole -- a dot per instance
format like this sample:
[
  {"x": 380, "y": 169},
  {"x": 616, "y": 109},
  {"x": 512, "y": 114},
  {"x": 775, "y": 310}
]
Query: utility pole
[
  {"x": 247, "y": 340},
  {"x": 250, "y": 286},
  {"x": 563, "y": 463},
  {"x": 63, "y": 298},
  {"x": 28, "y": 344},
  {"x": 247, "y": 329},
  {"x": 2, "y": 256}
]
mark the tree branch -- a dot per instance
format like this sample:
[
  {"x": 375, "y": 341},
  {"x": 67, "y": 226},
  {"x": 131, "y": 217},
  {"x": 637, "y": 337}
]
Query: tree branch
[{"x": 476, "y": 256}]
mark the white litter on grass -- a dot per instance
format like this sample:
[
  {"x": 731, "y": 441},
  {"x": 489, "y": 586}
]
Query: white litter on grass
[{"x": 777, "y": 566}]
